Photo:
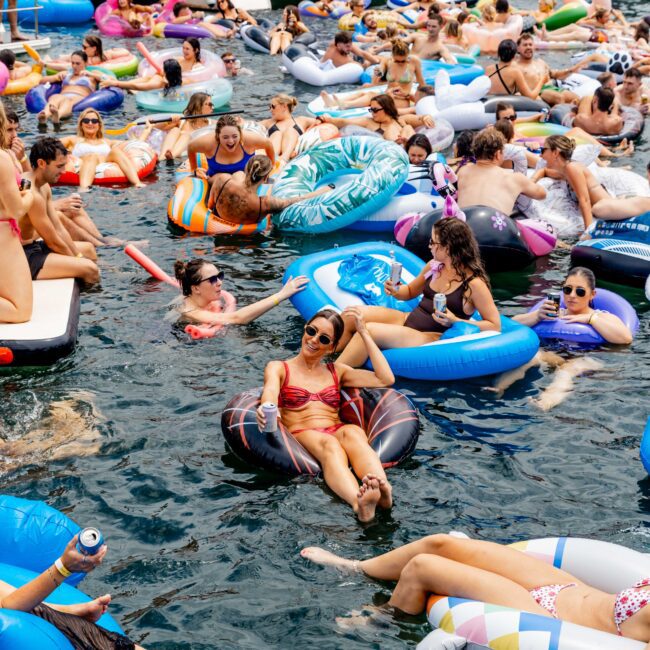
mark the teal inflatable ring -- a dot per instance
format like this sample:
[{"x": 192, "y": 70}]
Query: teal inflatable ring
[{"x": 373, "y": 169}]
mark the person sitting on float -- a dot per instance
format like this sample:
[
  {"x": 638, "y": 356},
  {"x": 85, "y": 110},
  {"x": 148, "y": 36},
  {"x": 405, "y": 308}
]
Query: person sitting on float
[
  {"x": 94, "y": 47},
  {"x": 183, "y": 15},
  {"x": 138, "y": 16},
  {"x": 579, "y": 289},
  {"x": 455, "y": 270},
  {"x": 307, "y": 391},
  {"x": 171, "y": 79},
  {"x": 508, "y": 79},
  {"x": 597, "y": 115},
  {"x": 418, "y": 148}
]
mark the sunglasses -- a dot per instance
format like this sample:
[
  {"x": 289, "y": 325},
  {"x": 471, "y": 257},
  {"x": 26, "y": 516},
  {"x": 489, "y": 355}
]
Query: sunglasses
[
  {"x": 581, "y": 292},
  {"x": 512, "y": 118},
  {"x": 229, "y": 60},
  {"x": 90, "y": 120},
  {"x": 273, "y": 106},
  {"x": 213, "y": 279},
  {"x": 323, "y": 339},
  {"x": 433, "y": 243},
  {"x": 374, "y": 110},
  {"x": 543, "y": 149}
]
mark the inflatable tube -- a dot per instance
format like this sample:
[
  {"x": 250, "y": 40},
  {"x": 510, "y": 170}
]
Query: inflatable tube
[
  {"x": 488, "y": 39},
  {"x": 618, "y": 251},
  {"x": 184, "y": 30},
  {"x": 227, "y": 305},
  {"x": 633, "y": 122},
  {"x": 56, "y": 12},
  {"x": 108, "y": 173},
  {"x": 121, "y": 66},
  {"x": 458, "y": 74},
  {"x": 348, "y": 22},
  {"x": 187, "y": 210},
  {"x": 258, "y": 39},
  {"x": 175, "y": 101},
  {"x": 581, "y": 332},
  {"x": 306, "y": 67},
  {"x": 387, "y": 416},
  {"x": 110, "y": 24},
  {"x": 605, "y": 566},
  {"x": 311, "y": 10},
  {"x": 645, "y": 447},
  {"x": 211, "y": 65},
  {"x": 565, "y": 15},
  {"x": 384, "y": 168},
  {"x": 463, "y": 352},
  {"x": 24, "y": 84},
  {"x": 103, "y": 100}
]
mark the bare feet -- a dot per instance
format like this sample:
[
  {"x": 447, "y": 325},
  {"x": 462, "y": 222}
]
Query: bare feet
[
  {"x": 169, "y": 155},
  {"x": 55, "y": 114},
  {"x": 367, "y": 499},
  {"x": 321, "y": 556},
  {"x": 139, "y": 185},
  {"x": 18, "y": 36},
  {"x": 385, "y": 490},
  {"x": 94, "y": 610},
  {"x": 42, "y": 118},
  {"x": 329, "y": 100}
]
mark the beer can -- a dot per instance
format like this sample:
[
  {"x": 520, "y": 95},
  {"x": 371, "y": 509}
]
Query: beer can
[
  {"x": 440, "y": 302},
  {"x": 554, "y": 296},
  {"x": 90, "y": 541},
  {"x": 271, "y": 417},
  {"x": 395, "y": 272}
]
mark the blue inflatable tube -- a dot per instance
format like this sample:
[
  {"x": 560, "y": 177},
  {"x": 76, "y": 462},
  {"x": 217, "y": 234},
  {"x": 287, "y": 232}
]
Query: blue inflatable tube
[
  {"x": 645, "y": 447},
  {"x": 103, "y": 100},
  {"x": 581, "y": 332},
  {"x": 56, "y": 12},
  {"x": 463, "y": 352},
  {"x": 459, "y": 74}
]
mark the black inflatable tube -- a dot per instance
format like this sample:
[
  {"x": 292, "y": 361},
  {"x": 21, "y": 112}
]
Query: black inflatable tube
[
  {"x": 502, "y": 246},
  {"x": 611, "y": 266},
  {"x": 387, "y": 416},
  {"x": 518, "y": 102}
]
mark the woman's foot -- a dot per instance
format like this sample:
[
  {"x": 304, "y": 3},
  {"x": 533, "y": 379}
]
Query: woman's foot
[
  {"x": 42, "y": 118},
  {"x": 169, "y": 155},
  {"x": 321, "y": 556},
  {"x": 139, "y": 184},
  {"x": 329, "y": 100},
  {"x": 93, "y": 610},
  {"x": 54, "y": 111},
  {"x": 367, "y": 499},
  {"x": 385, "y": 490}
]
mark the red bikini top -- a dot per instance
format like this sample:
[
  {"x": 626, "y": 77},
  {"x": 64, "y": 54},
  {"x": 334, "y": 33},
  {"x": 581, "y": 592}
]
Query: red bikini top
[{"x": 295, "y": 397}]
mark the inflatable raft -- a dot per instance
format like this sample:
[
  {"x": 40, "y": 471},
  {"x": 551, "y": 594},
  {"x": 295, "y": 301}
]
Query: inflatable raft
[
  {"x": 458, "y": 73},
  {"x": 103, "y": 100},
  {"x": 51, "y": 333},
  {"x": 463, "y": 352}
]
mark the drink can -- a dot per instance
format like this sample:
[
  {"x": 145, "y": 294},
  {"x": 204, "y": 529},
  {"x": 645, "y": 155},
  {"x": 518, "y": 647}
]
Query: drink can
[
  {"x": 90, "y": 541},
  {"x": 554, "y": 296},
  {"x": 440, "y": 302},
  {"x": 271, "y": 417},
  {"x": 395, "y": 272}
]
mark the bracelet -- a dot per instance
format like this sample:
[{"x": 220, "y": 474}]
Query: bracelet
[
  {"x": 593, "y": 313},
  {"x": 23, "y": 160},
  {"x": 78, "y": 255},
  {"x": 276, "y": 300},
  {"x": 60, "y": 567}
]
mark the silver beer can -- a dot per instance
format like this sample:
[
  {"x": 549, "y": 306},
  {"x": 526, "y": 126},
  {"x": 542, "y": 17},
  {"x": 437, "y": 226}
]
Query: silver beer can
[
  {"x": 440, "y": 302},
  {"x": 271, "y": 417}
]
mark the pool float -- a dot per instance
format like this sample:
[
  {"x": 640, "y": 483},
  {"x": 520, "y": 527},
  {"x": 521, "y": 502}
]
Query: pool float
[
  {"x": 618, "y": 251},
  {"x": 307, "y": 67},
  {"x": 108, "y": 173},
  {"x": 581, "y": 85},
  {"x": 259, "y": 40},
  {"x": 460, "y": 74},
  {"x": 175, "y": 101},
  {"x": 211, "y": 65},
  {"x": 387, "y": 416},
  {"x": 50, "y": 333},
  {"x": 564, "y": 45},
  {"x": 645, "y": 446},
  {"x": 380, "y": 169},
  {"x": 188, "y": 210},
  {"x": 312, "y": 10},
  {"x": 488, "y": 39},
  {"x": 121, "y": 66},
  {"x": 533, "y": 134},
  {"x": 467, "y": 56},
  {"x": 32, "y": 536},
  {"x": 110, "y": 24},
  {"x": 462, "y": 352},
  {"x": 103, "y": 100},
  {"x": 164, "y": 29},
  {"x": 56, "y": 12},
  {"x": 24, "y": 84},
  {"x": 506, "y": 243},
  {"x": 481, "y": 625},
  {"x": 565, "y": 15},
  {"x": 581, "y": 332},
  {"x": 349, "y": 22}
]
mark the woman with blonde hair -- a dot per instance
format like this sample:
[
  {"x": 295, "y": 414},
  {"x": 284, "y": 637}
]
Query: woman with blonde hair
[
  {"x": 92, "y": 149},
  {"x": 15, "y": 278}
]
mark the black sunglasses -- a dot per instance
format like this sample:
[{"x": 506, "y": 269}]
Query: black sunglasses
[
  {"x": 323, "y": 339},
  {"x": 512, "y": 118},
  {"x": 542, "y": 149},
  {"x": 229, "y": 60},
  {"x": 213, "y": 279},
  {"x": 581, "y": 292},
  {"x": 90, "y": 120},
  {"x": 375, "y": 110}
]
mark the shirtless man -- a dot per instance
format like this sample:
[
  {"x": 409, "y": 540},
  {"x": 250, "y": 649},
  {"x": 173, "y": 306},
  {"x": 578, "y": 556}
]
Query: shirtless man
[
  {"x": 504, "y": 185},
  {"x": 340, "y": 52},
  {"x": 597, "y": 115},
  {"x": 56, "y": 255},
  {"x": 428, "y": 46},
  {"x": 630, "y": 92}
]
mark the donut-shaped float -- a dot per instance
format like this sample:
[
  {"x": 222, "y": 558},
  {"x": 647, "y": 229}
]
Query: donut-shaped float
[
  {"x": 306, "y": 67},
  {"x": 387, "y": 416},
  {"x": 188, "y": 210},
  {"x": 108, "y": 173},
  {"x": 581, "y": 332},
  {"x": 488, "y": 39},
  {"x": 175, "y": 101},
  {"x": 124, "y": 65},
  {"x": 24, "y": 84},
  {"x": 103, "y": 100},
  {"x": 349, "y": 22},
  {"x": 312, "y": 10},
  {"x": 56, "y": 12},
  {"x": 380, "y": 168},
  {"x": 458, "y": 73},
  {"x": 110, "y": 24},
  {"x": 184, "y": 30},
  {"x": 259, "y": 40},
  {"x": 211, "y": 65}
]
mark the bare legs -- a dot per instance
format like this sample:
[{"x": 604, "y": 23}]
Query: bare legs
[
  {"x": 58, "y": 108},
  {"x": 65, "y": 266},
  {"x": 116, "y": 155},
  {"x": 175, "y": 143},
  {"x": 280, "y": 41},
  {"x": 615, "y": 209},
  {"x": 358, "y": 100},
  {"x": 15, "y": 278}
]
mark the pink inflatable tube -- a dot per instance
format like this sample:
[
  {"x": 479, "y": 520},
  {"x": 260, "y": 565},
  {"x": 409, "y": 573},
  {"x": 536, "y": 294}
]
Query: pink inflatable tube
[
  {"x": 211, "y": 65},
  {"x": 488, "y": 39}
]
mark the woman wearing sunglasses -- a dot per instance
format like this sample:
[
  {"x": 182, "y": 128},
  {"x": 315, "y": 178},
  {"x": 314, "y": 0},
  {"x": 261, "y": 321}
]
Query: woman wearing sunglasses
[
  {"x": 92, "y": 149},
  {"x": 201, "y": 283},
  {"x": 307, "y": 390},
  {"x": 93, "y": 46},
  {"x": 579, "y": 290}
]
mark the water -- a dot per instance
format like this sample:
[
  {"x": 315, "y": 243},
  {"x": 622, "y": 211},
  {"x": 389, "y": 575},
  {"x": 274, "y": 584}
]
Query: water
[{"x": 203, "y": 551}]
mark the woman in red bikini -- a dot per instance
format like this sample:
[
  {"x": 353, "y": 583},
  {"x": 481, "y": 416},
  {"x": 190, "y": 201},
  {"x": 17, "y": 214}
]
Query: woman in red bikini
[
  {"x": 15, "y": 279},
  {"x": 492, "y": 573},
  {"x": 308, "y": 394}
]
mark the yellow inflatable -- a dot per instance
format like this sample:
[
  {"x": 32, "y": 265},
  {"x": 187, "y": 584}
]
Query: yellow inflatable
[{"x": 22, "y": 85}]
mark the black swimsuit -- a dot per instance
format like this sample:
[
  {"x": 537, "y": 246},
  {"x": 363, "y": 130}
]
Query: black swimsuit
[
  {"x": 497, "y": 71},
  {"x": 420, "y": 318},
  {"x": 274, "y": 128}
]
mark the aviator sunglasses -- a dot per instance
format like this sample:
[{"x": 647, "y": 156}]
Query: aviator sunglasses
[
  {"x": 581, "y": 292},
  {"x": 311, "y": 331}
]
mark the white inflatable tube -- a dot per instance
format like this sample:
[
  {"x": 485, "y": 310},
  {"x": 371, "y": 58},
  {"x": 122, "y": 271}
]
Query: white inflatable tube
[
  {"x": 310, "y": 70},
  {"x": 448, "y": 94}
]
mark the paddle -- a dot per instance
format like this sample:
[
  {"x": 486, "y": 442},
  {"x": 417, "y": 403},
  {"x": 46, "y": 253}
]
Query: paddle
[{"x": 162, "y": 120}]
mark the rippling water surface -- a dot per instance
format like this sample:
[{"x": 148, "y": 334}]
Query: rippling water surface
[{"x": 203, "y": 550}]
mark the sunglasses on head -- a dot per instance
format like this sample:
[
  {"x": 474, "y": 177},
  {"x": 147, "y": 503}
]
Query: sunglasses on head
[
  {"x": 375, "y": 109},
  {"x": 90, "y": 120},
  {"x": 581, "y": 292},
  {"x": 323, "y": 339},
  {"x": 213, "y": 279}
]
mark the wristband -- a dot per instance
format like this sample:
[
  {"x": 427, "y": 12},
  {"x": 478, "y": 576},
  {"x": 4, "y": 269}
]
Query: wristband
[
  {"x": 23, "y": 160},
  {"x": 60, "y": 567},
  {"x": 275, "y": 299}
]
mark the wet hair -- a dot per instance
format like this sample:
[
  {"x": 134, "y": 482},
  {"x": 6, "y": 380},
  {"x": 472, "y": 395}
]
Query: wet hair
[
  {"x": 195, "y": 44},
  {"x": 388, "y": 104},
  {"x": 196, "y": 103},
  {"x": 461, "y": 245},
  {"x": 632, "y": 73},
  {"x": 503, "y": 106},
  {"x": 505, "y": 128},
  {"x": 227, "y": 54},
  {"x": 342, "y": 37},
  {"x": 81, "y": 54},
  {"x": 188, "y": 274},
  {"x": 335, "y": 321},
  {"x": 642, "y": 31},
  {"x": 502, "y": 6},
  {"x": 173, "y": 74},
  {"x": 8, "y": 58},
  {"x": 436, "y": 18},
  {"x": 224, "y": 121},
  {"x": 257, "y": 169},
  {"x": 586, "y": 274},
  {"x": 287, "y": 100},
  {"x": 560, "y": 143},
  {"x": 507, "y": 50},
  {"x": 178, "y": 7},
  {"x": 488, "y": 13},
  {"x": 46, "y": 149},
  {"x": 526, "y": 36},
  {"x": 487, "y": 144},
  {"x": 453, "y": 29},
  {"x": 82, "y": 115},
  {"x": 604, "y": 99},
  {"x": 604, "y": 78},
  {"x": 12, "y": 116},
  {"x": 418, "y": 140},
  {"x": 465, "y": 144},
  {"x": 400, "y": 48},
  {"x": 434, "y": 10},
  {"x": 96, "y": 42}
]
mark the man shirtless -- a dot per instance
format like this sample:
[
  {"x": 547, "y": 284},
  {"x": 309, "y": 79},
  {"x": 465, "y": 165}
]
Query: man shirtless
[
  {"x": 56, "y": 255},
  {"x": 428, "y": 46},
  {"x": 630, "y": 92},
  {"x": 340, "y": 52},
  {"x": 487, "y": 183},
  {"x": 597, "y": 115}
]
